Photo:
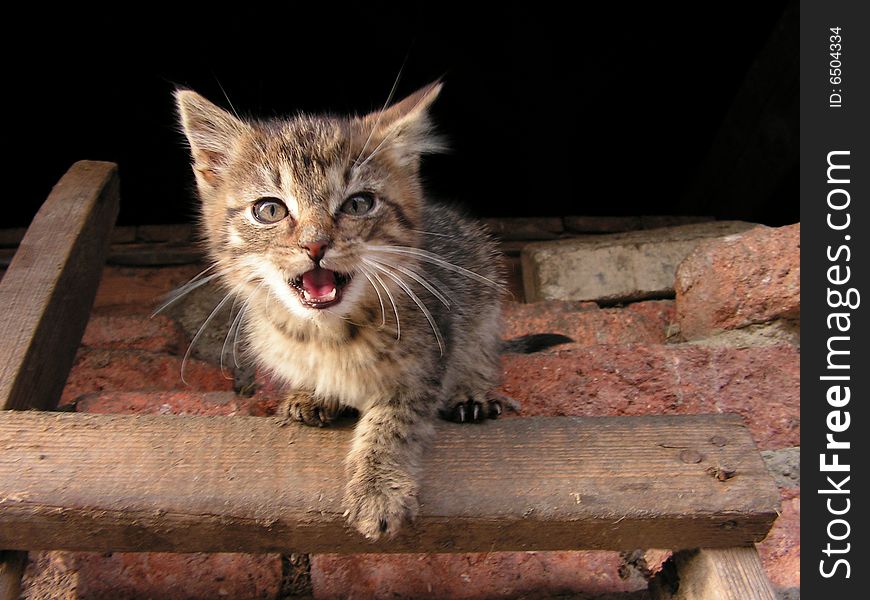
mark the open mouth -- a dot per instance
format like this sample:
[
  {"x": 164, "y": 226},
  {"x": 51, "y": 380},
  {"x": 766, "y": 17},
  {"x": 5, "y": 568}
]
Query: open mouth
[{"x": 320, "y": 288}]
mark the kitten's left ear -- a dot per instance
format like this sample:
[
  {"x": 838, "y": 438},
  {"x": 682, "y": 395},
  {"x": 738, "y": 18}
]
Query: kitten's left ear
[
  {"x": 213, "y": 133},
  {"x": 406, "y": 125}
]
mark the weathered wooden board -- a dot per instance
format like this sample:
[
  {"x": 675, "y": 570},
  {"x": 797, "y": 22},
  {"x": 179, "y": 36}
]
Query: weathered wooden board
[
  {"x": 49, "y": 288},
  {"x": 720, "y": 574},
  {"x": 247, "y": 484},
  {"x": 46, "y": 295}
]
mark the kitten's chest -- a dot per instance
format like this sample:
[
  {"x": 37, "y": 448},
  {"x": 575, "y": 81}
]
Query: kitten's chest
[{"x": 354, "y": 369}]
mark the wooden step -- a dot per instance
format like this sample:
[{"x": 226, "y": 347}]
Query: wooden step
[{"x": 248, "y": 484}]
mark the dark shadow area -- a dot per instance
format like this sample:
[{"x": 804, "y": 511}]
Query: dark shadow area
[{"x": 615, "y": 110}]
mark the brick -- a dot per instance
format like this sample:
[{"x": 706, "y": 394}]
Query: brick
[
  {"x": 141, "y": 288},
  {"x": 94, "y": 576},
  {"x": 64, "y": 575},
  {"x": 587, "y": 324},
  {"x": 468, "y": 576},
  {"x": 155, "y": 254},
  {"x": 614, "y": 268},
  {"x": 98, "y": 370},
  {"x": 194, "y": 309},
  {"x": 525, "y": 228},
  {"x": 123, "y": 234},
  {"x": 581, "y": 224},
  {"x": 664, "y": 379},
  {"x": 740, "y": 280},
  {"x": 785, "y": 466},
  {"x": 119, "y": 330},
  {"x": 656, "y": 221},
  {"x": 781, "y": 551}
]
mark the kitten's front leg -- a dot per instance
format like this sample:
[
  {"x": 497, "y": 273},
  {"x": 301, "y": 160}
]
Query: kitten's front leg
[
  {"x": 306, "y": 408},
  {"x": 381, "y": 494}
]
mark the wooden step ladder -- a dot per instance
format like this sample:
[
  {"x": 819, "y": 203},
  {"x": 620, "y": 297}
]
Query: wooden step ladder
[{"x": 693, "y": 484}]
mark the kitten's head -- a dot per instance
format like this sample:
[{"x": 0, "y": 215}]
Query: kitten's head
[{"x": 297, "y": 204}]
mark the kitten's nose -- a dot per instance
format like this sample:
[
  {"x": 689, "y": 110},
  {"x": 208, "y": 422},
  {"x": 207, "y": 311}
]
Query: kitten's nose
[{"x": 315, "y": 249}]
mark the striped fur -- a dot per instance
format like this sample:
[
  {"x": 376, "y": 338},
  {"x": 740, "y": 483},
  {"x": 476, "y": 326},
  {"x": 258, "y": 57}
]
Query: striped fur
[{"x": 417, "y": 331}]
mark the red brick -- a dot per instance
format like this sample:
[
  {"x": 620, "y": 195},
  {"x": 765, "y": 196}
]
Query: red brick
[
  {"x": 98, "y": 370},
  {"x": 761, "y": 384},
  {"x": 177, "y": 576},
  {"x": 781, "y": 550},
  {"x": 164, "y": 403},
  {"x": 141, "y": 288},
  {"x": 743, "y": 279},
  {"x": 120, "y": 330},
  {"x": 486, "y": 575},
  {"x": 588, "y": 325}
]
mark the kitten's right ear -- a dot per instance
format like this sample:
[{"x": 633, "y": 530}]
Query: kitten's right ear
[{"x": 213, "y": 134}]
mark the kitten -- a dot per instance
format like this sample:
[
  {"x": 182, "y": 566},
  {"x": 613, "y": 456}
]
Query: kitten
[{"x": 357, "y": 292}]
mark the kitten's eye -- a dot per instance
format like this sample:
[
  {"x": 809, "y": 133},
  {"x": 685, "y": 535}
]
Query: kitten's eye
[
  {"x": 269, "y": 210},
  {"x": 358, "y": 204}
]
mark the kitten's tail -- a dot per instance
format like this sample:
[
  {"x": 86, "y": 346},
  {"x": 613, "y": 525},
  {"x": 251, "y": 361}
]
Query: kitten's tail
[{"x": 526, "y": 344}]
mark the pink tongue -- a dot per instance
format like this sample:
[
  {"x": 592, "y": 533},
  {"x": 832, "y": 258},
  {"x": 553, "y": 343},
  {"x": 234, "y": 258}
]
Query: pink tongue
[{"x": 318, "y": 282}]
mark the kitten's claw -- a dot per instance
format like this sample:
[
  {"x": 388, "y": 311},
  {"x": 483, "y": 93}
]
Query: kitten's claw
[
  {"x": 494, "y": 409},
  {"x": 474, "y": 411}
]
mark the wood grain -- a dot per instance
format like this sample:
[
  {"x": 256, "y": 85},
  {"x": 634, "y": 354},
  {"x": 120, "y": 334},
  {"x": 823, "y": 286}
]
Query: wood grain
[
  {"x": 48, "y": 290},
  {"x": 46, "y": 295},
  {"x": 715, "y": 574},
  {"x": 247, "y": 484}
]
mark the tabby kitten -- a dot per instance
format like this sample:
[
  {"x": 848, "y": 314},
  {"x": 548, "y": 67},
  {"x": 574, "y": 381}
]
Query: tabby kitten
[{"x": 356, "y": 291}]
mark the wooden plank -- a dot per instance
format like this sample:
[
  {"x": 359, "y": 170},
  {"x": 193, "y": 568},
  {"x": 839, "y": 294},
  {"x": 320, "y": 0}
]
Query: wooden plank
[
  {"x": 720, "y": 574},
  {"x": 178, "y": 233},
  {"x": 11, "y": 569},
  {"x": 46, "y": 294},
  {"x": 48, "y": 290},
  {"x": 247, "y": 484}
]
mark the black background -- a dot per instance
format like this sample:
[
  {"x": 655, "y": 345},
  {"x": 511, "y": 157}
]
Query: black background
[{"x": 595, "y": 110}]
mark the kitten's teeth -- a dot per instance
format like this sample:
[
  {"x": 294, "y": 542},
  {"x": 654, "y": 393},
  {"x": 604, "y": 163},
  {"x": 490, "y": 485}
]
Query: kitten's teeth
[{"x": 327, "y": 298}]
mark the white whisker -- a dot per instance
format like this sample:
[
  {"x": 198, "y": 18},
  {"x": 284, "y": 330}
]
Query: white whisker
[
  {"x": 392, "y": 132},
  {"x": 381, "y": 113},
  {"x": 392, "y": 302},
  {"x": 378, "y": 292},
  {"x": 234, "y": 323},
  {"x": 444, "y": 235},
  {"x": 197, "y": 282},
  {"x": 245, "y": 306},
  {"x": 415, "y": 276},
  {"x": 202, "y": 329},
  {"x": 435, "y": 259},
  {"x": 401, "y": 283}
]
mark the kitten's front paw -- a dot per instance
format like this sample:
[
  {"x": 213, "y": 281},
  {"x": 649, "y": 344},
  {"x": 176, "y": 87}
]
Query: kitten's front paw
[
  {"x": 301, "y": 406},
  {"x": 379, "y": 506}
]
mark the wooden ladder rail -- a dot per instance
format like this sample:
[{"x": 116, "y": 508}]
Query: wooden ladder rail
[
  {"x": 250, "y": 485},
  {"x": 46, "y": 296}
]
